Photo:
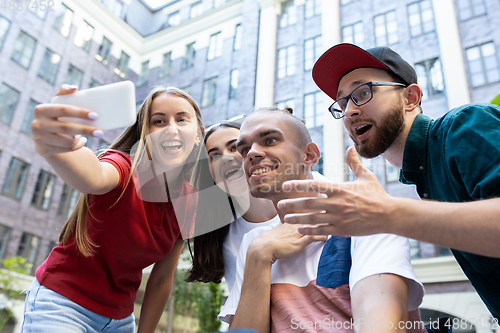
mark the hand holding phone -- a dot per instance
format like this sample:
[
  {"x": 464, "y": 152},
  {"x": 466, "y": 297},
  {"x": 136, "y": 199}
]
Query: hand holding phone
[{"x": 114, "y": 103}]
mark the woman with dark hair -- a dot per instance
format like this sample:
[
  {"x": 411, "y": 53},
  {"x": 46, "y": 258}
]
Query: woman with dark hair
[{"x": 215, "y": 252}]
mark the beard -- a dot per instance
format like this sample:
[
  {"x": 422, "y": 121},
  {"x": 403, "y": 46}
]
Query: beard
[{"x": 391, "y": 125}]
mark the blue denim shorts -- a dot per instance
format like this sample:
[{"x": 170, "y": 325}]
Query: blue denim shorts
[{"x": 46, "y": 311}]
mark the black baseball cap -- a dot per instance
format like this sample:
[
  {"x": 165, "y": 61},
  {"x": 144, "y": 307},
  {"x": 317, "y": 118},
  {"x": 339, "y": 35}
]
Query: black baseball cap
[{"x": 343, "y": 58}]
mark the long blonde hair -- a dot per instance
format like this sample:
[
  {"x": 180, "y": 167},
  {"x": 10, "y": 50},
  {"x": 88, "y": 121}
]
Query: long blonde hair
[{"x": 137, "y": 133}]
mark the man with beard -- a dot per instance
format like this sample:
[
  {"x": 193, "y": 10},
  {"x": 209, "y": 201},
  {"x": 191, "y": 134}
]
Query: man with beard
[
  {"x": 286, "y": 281},
  {"x": 454, "y": 161}
]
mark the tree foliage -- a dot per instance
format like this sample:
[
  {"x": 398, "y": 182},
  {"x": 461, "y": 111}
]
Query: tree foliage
[
  {"x": 199, "y": 300},
  {"x": 9, "y": 286}
]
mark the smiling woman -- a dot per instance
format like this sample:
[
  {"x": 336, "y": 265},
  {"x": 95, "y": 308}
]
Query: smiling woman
[{"x": 113, "y": 234}]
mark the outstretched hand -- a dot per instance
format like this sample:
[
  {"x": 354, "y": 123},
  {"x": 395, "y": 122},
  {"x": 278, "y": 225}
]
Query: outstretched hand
[
  {"x": 52, "y": 136},
  {"x": 281, "y": 242},
  {"x": 354, "y": 208}
]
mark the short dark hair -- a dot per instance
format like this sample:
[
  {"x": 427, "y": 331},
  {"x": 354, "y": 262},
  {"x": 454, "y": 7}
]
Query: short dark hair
[{"x": 301, "y": 134}]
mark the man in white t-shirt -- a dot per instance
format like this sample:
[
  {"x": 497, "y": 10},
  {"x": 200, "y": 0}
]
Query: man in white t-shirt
[{"x": 286, "y": 281}]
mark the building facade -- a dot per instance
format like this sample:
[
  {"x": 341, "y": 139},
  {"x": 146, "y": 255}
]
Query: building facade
[{"x": 232, "y": 56}]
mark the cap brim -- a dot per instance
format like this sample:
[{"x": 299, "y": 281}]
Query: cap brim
[{"x": 336, "y": 62}]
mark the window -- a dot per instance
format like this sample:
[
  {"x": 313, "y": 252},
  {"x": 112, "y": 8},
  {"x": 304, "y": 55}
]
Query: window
[
  {"x": 386, "y": 29},
  {"x": 286, "y": 61},
  {"x": 64, "y": 17},
  {"x": 166, "y": 65},
  {"x": 102, "y": 145},
  {"x": 483, "y": 64},
  {"x": 174, "y": 19},
  {"x": 69, "y": 197},
  {"x": 218, "y": 3},
  {"x": 114, "y": 6},
  {"x": 143, "y": 77},
  {"x": 470, "y": 8},
  {"x": 312, "y": 51},
  {"x": 93, "y": 83},
  {"x": 28, "y": 247},
  {"x": 289, "y": 14},
  {"x": 84, "y": 36},
  {"x": 24, "y": 49},
  {"x": 73, "y": 76},
  {"x": 318, "y": 167},
  {"x": 414, "y": 249},
  {"x": 122, "y": 66},
  {"x": 4, "y": 28},
  {"x": 353, "y": 34},
  {"x": 345, "y": 2},
  {"x": 34, "y": 7},
  {"x": 189, "y": 57},
  {"x": 16, "y": 177},
  {"x": 313, "y": 8},
  {"x": 391, "y": 172},
  {"x": 187, "y": 90},
  {"x": 237, "y": 38},
  {"x": 288, "y": 103},
  {"x": 104, "y": 51},
  {"x": 49, "y": 66},
  {"x": 215, "y": 46},
  {"x": 196, "y": 9},
  {"x": 28, "y": 117},
  {"x": 51, "y": 246},
  {"x": 209, "y": 92},
  {"x": 8, "y": 102},
  {"x": 430, "y": 78},
  {"x": 421, "y": 17},
  {"x": 4, "y": 238},
  {"x": 43, "y": 190},
  {"x": 442, "y": 251},
  {"x": 233, "y": 84},
  {"x": 367, "y": 162},
  {"x": 313, "y": 104}
]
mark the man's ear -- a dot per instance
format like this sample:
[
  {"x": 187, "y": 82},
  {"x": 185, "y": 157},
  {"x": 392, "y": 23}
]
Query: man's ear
[
  {"x": 412, "y": 97},
  {"x": 312, "y": 154}
]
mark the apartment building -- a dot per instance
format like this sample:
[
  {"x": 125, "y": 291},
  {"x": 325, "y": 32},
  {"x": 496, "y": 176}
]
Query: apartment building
[{"x": 232, "y": 56}]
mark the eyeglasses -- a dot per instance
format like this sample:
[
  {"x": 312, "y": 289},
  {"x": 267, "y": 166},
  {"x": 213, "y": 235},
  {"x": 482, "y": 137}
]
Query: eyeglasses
[
  {"x": 236, "y": 118},
  {"x": 360, "y": 96}
]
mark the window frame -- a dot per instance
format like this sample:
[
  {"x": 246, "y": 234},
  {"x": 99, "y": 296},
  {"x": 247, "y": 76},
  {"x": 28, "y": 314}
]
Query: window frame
[
  {"x": 44, "y": 188},
  {"x": 19, "y": 175},
  {"x": 22, "y": 52},
  {"x": 209, "y": 95}
]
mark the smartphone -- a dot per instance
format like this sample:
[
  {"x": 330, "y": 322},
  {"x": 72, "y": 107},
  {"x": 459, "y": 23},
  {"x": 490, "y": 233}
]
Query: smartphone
[{"x": 114, "y": 103}]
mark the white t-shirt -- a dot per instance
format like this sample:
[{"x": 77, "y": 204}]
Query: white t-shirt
[
  {"x": 371, "y": 255},
  {"x": 232, "y": 243}
]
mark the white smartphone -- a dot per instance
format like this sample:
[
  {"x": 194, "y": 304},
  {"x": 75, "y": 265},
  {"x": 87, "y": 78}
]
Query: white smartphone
[{"x": 114, "y": 103}]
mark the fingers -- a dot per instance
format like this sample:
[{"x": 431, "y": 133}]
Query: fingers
[
  {"x": 310, "y": 187},
  {"x": 67, "y": 89},
  {"x": 309, "y": 218},
  {"x": 46, "y": 119},
  {"x": 55, "y": 111},
  {"x": 302, "y": 205},
  {"x": 354, "y": 163},
  {"x": 319, "y": 230},
  {"x": 314, "y": 238},
  {"x": 58, "y": 143}
]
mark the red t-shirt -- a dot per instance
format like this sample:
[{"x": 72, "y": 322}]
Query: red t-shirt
[{"x": 130, "y": 235}]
